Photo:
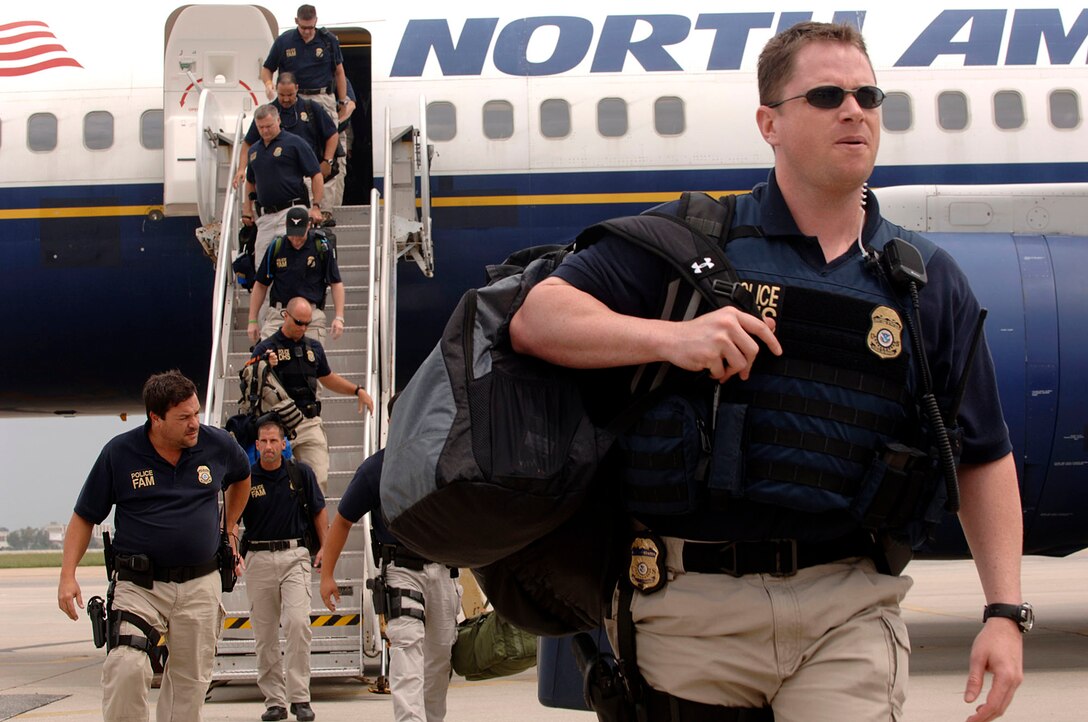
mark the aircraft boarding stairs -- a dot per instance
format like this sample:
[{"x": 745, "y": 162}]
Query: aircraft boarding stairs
[
  {"x": 340, "y": 641},
  {"x": 368, "y": 246}
]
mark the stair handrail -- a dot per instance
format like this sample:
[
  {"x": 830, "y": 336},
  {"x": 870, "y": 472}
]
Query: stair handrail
[{"x": 228, "y": 230}]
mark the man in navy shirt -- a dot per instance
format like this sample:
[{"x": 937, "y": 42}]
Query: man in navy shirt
[
  {"x": 164, "y": 480},
  {"x": 422, "y": 622},
  {"x": 300, "y": 364},
  {"x": 301, "y": 264},
  {"x": 302, "y": 118},
  {"x": 274, "y": 178},
  {"x": 278, "y": 571},
  {"x": 779, "y": 582},
  {"x": 314, "y": 56}
]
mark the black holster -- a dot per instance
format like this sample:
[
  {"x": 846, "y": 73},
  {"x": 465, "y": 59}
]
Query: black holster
[
  {"x": 227, "y": 562},
  {"x": 96, "y": 612}
]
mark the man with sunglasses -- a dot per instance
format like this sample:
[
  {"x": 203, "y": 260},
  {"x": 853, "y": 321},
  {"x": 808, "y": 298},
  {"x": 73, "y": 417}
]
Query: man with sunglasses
[
  {"x": 300, "y": 364},
  {"x": 313, "y": 55},
  {"x": 301, "y": 263},
  {"x": 303, "y": 118},
  {"x": 777, "y": 488}
]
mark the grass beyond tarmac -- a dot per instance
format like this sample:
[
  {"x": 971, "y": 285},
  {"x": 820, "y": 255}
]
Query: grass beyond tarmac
[{"x": 45, "y": 558}]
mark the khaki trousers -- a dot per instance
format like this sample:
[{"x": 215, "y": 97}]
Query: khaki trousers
[
  {"x": 334, "y": 189},
  {"x": 311, "y": 447},
  {"x": 191, "y": 614},
  {"x": 825, "y": 645},
  {"x": 419, "y": 654},
  {"x": 278, "y": 586}
]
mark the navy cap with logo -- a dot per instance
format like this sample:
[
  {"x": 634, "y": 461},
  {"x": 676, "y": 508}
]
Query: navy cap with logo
[{"x": 298, "y": 220}]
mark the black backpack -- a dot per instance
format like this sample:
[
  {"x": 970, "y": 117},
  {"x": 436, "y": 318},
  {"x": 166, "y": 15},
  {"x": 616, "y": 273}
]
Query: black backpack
[{"x": 491, "y": 460}]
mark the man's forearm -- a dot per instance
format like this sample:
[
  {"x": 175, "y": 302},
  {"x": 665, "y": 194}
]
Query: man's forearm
[
  {"x": 77, "y": 537},
  {"x": 992, "y": 521},
  {"x": 237, "y": 494}
]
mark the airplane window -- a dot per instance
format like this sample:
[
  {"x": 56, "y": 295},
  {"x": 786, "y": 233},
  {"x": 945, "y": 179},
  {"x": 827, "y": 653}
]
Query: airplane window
[
  {"x": 151, "y": 129},
  {"x": 1008, "y": 110},
  {"x": 896, "y": 112},
  {"x": 1064, "y": 109},
  {"x": 669, "y": 116},
  {"x": 98, "y": 130},
  {"x": 441, "y": 120},
  {"x": 498, "y": 119},
  {"x": 612, "y": 117},
  {"x": 555, "y": 118},
  {"x": 41, "y": 131},
  {"x": 952, "y": 110}
]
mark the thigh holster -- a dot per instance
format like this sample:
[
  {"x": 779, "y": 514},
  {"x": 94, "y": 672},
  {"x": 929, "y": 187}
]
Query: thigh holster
[{"x": 149, "y": 643}]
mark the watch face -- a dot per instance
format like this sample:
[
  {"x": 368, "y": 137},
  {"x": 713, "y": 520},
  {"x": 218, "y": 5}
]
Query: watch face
[{"x": 1027, "y": 617}]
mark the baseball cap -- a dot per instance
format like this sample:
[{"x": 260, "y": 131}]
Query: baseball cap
[{"x": 298, "y": 220}]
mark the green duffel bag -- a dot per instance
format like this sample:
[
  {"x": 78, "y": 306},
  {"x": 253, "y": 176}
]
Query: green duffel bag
[{"x": 488, "y": 647}]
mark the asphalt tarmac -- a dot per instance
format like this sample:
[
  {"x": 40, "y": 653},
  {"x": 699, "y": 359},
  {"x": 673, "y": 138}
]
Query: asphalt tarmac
[{"x": 50, "y": 668}]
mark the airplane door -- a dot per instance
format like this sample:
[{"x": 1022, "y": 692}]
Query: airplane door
[{"x": 220, "y": 48}]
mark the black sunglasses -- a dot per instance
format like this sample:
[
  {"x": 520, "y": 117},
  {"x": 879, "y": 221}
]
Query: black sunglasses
[
  {"x": 297, "y": 322},
  {"x": 832, "y": 96}
]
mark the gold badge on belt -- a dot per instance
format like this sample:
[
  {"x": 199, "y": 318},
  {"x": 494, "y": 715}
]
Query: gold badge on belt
[{"x": 647, "y": 570}]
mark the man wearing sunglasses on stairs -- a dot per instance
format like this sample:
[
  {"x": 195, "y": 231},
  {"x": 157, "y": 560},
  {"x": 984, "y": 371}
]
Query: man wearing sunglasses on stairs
[
  {"x": 300, "y": 363},
  {"x": 801, "y": 450}
]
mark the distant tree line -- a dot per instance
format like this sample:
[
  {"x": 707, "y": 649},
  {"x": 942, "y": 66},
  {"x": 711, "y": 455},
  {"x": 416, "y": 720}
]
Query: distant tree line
[{"x": 29, "y": 538}]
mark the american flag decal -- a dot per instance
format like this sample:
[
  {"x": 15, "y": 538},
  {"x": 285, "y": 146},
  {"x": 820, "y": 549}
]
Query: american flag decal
[{"x": 29, "y": 47}]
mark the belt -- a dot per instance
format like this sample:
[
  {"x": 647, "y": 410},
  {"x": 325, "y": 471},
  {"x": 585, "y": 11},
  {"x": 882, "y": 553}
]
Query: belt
[
  {"x": 274, "y": 545},
  {"x": 179, "y": 575},
  {"x": 778, "y": 557},
  {"x": 313, "y": 91},
  {"x": 276, "y": 209}
]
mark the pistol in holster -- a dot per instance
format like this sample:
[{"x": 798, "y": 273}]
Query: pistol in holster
[
  {"x": 227, "y": 562},
  {"x": 381, "y": 594},
  {"x": 604, "y": 685},
  {"x": 96, "y": 612}
]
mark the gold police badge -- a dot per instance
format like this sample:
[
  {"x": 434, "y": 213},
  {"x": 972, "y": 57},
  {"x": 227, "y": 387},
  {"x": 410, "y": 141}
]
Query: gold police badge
[
  {"x": 304, "y": 116},
  {"x": 320, "y": 52},
  {"x": 647, "y": 571},
  {"x": 886, "y": 332},
  {"x": 204, "y": 475},
  {"x": 253, "y": 156},
  {"x": 310, "y": 355},
  {"x": 278, "y": 151},
  {"x": 311, "y": 262}
]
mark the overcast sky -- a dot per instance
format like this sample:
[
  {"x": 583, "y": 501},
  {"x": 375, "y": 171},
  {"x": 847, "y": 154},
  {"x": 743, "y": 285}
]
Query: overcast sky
[{"x": 46, "y": 461}]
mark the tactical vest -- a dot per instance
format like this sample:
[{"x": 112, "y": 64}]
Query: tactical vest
[
  {"x": 298, "y": 373},
  {"x": 830, "y": 426}
]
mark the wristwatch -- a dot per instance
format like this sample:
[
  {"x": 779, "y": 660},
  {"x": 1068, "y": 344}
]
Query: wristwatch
[{"x": 1022, "y": 614}]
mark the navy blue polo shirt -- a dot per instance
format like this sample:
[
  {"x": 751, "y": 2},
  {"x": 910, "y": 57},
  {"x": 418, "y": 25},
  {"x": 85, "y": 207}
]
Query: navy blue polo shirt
[
  {"x": 303, "y": 272},
  {"x": 363, "y": 496},
  {"x": 306, "y": 119},
  {"x": 277, "y": 169},
  {"x": 632, "y": 281},
  {"x": 313, "y": 63},
  {"x": 272, "y": 511},
  {"x": 169, "y": 512}
]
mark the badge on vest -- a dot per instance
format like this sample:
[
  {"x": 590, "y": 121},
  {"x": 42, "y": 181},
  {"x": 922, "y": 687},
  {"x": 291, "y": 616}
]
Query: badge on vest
[
  {"x": 310, "y": 355},
  {"x": 886, "y": 334},
  {"x": 204, "y": 475},
  {"x": 303, "y": 117},
  {"x": 647, "y": 571}
]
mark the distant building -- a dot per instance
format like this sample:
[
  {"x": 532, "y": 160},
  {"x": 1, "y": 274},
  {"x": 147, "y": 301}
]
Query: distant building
[
  {"x": 56, "y": 533},
  {"x": 4, "y": 539}
]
